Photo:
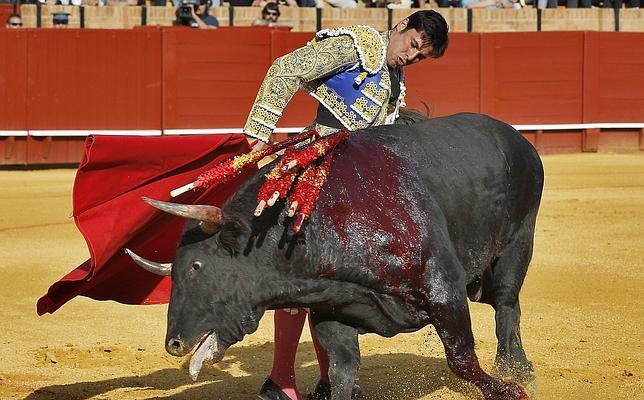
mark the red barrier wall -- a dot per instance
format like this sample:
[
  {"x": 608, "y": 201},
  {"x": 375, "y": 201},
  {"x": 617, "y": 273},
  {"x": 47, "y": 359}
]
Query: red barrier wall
[
  {"x": 613, "y": 77},
  {"x": 94, "y": 79},
  {"x": 53, "y": 149},
  {"x": 211, "y": 77},
  {"x": 5, "y": 11},
  {"x": 13, "y": 94},
  {"x": 534, "y": 77},
  {"x": 178, "y": 78},
  {"x": 13, "y": 83},
  {"x": 450, "y": 84}
]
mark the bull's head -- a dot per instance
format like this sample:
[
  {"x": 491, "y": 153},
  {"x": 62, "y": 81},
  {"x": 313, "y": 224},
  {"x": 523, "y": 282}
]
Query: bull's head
[{"x": 213, "y": 302}]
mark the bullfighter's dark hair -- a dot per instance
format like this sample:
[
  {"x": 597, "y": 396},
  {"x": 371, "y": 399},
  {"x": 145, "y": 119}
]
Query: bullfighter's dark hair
[{"x": 433, "y": 29}]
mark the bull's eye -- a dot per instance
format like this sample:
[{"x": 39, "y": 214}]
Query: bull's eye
[{"x": 196, "y": 265}]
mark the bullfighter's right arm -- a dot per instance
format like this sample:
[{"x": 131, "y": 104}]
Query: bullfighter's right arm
[{"x": 284, "y": 77}]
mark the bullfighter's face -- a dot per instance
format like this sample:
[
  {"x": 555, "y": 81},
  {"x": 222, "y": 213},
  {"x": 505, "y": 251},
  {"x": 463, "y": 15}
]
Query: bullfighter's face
[{"x": 406, "y": 46}]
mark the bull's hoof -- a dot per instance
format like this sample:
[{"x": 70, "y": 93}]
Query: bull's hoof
[
  {"x": 531, "y": 389},
  {"x": 505, "y": 391},
  {"x": 522, "y": 372},
  {"x": 323, "y": 391},
  {"x": 270, "y": 391}
]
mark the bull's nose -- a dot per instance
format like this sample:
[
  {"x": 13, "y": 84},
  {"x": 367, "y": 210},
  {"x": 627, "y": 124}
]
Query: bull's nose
[{"x": 175, "y": 347}]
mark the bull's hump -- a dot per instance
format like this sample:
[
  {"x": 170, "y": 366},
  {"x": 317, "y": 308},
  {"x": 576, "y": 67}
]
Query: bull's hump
[{"x": 370, "y": 201}]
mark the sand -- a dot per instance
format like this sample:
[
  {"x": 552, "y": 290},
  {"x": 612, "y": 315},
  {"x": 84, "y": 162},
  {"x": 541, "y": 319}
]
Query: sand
[{"x": 582, "y": 307}]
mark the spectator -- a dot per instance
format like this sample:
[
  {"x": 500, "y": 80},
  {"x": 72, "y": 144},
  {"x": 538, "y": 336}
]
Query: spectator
[
  {"x": 342, "y": 3},
  {"x": 214, "y": 3},
  {"x": 577, "y": 4},
  {"x": 240, "y": 3},
  {"x": 14, "y": 21},
  {"x": 393, "y": 4},
  {"x": 60, "y": 20},
  {"x": 262, "y": 3},
  {"x": 618, "y": 3},
  {"x": 270, "y": 16},
  {"x": 491, "y": 4},
  {"x": 63, "y": 2},
  {"x": 195, "y": 13},
  {"x": 202, "y": 18}
]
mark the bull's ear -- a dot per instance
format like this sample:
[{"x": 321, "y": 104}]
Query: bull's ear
[{"x": 230, "y": 235}]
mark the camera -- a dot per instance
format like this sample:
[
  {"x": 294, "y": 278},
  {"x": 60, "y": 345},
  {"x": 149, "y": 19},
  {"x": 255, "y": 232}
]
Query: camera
[{"x": 184, "y": 11}]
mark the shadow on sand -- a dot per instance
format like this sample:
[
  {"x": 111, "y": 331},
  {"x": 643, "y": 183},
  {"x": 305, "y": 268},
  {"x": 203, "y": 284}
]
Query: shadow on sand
[{"x": 408, "y": 376}]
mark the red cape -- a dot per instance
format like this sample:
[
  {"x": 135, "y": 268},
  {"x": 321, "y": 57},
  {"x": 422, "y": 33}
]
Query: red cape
[{"x": 114, "y": 173}]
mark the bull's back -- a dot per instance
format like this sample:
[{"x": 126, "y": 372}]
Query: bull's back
[{"x": 472, "y": 175}]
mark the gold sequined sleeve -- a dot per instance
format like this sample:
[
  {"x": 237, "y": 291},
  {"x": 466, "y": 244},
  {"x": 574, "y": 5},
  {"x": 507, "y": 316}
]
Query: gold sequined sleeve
[{"x": 284, "y": 77}]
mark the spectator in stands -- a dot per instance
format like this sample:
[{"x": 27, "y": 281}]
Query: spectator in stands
[
  {"x": 196, "y": 13},
  {"x": 202, "y": 18},
  {"x": 262, "y": 3},
  {"x": 270, "y": 16},
  {"x": 492, "y": 4},
  {"x": 618, "y": 3},
  {"x": 14, "y": 21},
  {"x": 342, "y": 3},
  {"x": 240, "y": 3},
  {"x": 393, "y": 4},
  {"x": 575, "y": 4},
  {"x": 214, "y": 3},
  {"x": 60, "y": 20},
  {"x": 408, "y": 3}
]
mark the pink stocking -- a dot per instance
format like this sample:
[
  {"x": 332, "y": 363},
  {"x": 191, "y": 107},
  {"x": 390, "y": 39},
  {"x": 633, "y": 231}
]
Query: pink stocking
[
  {"x": 323, "y": 357},
  {"x": 288, "y": 329}
]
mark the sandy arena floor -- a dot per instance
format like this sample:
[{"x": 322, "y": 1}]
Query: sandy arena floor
[{"x": 582, "y": 306}]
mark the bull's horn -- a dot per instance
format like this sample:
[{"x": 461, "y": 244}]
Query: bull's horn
[
  {"x": 211, "y": 217},
  {"x": 151, "y": 266}
]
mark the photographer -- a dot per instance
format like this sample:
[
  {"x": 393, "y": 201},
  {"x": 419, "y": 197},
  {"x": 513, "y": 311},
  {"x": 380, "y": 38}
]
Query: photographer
[{"x": 195, "y": 13}]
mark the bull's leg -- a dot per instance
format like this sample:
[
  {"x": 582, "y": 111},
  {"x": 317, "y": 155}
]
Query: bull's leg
[
  {"x": 507, "y": 276},
  {"x": 341, "y": 344},
  {"x": 451, "y": 317}
]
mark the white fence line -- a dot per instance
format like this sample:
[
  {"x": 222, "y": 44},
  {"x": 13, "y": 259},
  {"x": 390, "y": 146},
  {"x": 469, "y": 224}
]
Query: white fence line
[{"x": 225, "y": 131}]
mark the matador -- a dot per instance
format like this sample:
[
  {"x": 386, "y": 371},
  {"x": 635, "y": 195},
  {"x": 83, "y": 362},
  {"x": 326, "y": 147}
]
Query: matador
[{"x": 356, "y": 75}]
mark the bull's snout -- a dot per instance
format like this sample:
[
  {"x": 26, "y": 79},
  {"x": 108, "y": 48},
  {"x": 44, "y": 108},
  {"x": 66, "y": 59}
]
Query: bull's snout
[{"x": 176, "y": 347}]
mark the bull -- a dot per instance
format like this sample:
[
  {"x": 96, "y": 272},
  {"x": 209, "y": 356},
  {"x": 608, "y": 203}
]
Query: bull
[{"x": 412, "y": 221}]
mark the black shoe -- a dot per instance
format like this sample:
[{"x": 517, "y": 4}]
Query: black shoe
[
  {"x": 323, "y": 391},
  {"x": 270, "y": 391}
]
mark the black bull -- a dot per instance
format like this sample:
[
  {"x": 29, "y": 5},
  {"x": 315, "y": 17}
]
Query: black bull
[{"x": 411, "y": 222}]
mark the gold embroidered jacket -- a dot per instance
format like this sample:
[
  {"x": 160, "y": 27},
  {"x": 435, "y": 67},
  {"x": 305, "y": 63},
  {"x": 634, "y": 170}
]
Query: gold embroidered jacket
[{"x": 322, "y": 68}]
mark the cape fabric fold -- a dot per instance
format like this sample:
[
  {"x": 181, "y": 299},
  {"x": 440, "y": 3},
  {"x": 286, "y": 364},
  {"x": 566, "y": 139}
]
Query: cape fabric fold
[{"x": 114, "y": 173}]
